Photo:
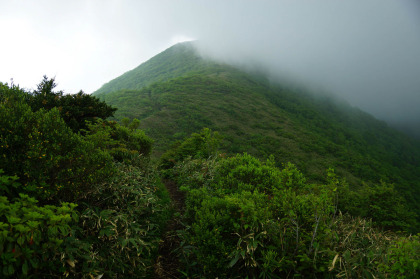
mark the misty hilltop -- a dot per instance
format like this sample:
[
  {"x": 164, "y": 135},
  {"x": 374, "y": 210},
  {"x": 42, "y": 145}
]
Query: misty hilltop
[
  {"x": 178, "y": 92},
  {"x": 178, "y": 61}
]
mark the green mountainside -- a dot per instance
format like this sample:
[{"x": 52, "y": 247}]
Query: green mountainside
[
  {"x": 173, "y": 62},
  {"x": 177, "y": 92}
]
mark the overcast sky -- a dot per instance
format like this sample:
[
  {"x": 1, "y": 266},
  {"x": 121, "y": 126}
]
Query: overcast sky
[{"x": 367, "y": 51}]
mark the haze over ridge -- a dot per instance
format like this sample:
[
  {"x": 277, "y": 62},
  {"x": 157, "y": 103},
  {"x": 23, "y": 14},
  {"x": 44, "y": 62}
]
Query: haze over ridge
[
  {"x": 368, "y": 53},
  {"x": 365, "y": 51}
]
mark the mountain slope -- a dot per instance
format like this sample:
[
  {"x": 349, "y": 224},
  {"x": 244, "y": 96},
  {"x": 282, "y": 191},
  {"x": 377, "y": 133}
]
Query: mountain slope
[
  {"x": 177, "y": 93},
  {"x": 176, "y": 61}
]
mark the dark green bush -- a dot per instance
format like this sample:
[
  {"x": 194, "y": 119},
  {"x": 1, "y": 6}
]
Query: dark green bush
[
  {"x": 123, "y": 221},
  {"x": 123, "y": 143},
  {"x": 75, "y": 109},
  {"x": 51, "y": 161},
  {"x": 33, "y": 238},
  {"x": 247, "y": 173},
  {"x": 403, "y": 258},
  {"x": 106, "y": 170},
  {"x": 250, "y": 219},
  {"x": 198, "y": 145},
  {"x": 381, "y": 203}
]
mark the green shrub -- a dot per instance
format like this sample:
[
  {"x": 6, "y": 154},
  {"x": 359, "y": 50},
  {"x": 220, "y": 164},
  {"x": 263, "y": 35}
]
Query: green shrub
[
  {"x": 123, "y": 143},
  {"x": 246, "y": 218},
  {"x": 218, "y": 223},
  {"x": 403, "y": 258},
  {"x": 358, "y": 249},
  {"x": 75, "y": 109},
  {"x": 237, "y": 207},
  {"x": 121, "y": 205},
  {"x": 32, "y": 237},
  {"x": 198, "y": 145},
  {"x": 246, "y": 173},
  {"x": 51, "y": 161},
  {"x": 123, "y": 220},
  {"x": 381, "y": 203}
]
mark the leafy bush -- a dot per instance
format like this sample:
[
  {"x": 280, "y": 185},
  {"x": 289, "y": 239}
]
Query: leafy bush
[
  {"x": 50, "y": 160},
  {"x": 247, "y": 173},
  {"x": 363, "y": 251},
  {"x": 381, "y": 203},
  {"x": 32, "y": 237},
  {"x": 403, "y": 258},
  {"x": 122, "y": 219},
  {"x": 198, "y": 145},
  {"x": 218, "y": 224},
  {"x": 120, "y": 210},
  {"x": 75, "y": 109},
  {"x": 123, "y": 143},
  {"x": 247, "y": 218}
]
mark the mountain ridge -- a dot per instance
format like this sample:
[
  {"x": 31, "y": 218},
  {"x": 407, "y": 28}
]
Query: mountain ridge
[
  {"x": 178, "y": 92},
  {"x": 150, "y": 72}
]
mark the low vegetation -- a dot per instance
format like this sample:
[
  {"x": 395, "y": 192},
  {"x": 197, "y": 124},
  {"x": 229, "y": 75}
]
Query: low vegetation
[
  {"x": 246, "y": 218},
  {"x": 75, "y": 204}
]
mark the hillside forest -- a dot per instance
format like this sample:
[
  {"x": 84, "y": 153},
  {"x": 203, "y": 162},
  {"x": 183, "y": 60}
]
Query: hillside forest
[{"x": 168, "y": 181}]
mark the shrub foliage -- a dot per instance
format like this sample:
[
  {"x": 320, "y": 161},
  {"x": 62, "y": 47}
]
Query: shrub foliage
[
  {"x": 77, "y": 199},
  {"x": 248, "y": 218}
]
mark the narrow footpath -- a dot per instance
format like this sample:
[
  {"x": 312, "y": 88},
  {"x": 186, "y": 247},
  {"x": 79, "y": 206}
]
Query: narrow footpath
[{"x": 167, "y": 264}]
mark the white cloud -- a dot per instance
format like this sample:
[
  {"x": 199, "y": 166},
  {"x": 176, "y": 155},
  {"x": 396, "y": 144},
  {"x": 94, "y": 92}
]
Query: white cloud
[{"x": 365, "y": 50}]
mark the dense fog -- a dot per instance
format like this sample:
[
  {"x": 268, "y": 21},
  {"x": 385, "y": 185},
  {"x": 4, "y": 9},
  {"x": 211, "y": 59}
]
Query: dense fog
[{"x": 366, "y": 51}]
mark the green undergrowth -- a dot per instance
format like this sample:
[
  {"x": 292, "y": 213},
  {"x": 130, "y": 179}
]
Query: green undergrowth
[
  {"x": 77, "y": 204},
  {"x": 247, "y": 218}
]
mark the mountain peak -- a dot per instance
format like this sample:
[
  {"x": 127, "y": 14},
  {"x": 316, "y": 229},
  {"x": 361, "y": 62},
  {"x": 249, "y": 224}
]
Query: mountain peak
[
  {"x": 178, "y": 92},
  {"x": 173, "y": 62}
]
